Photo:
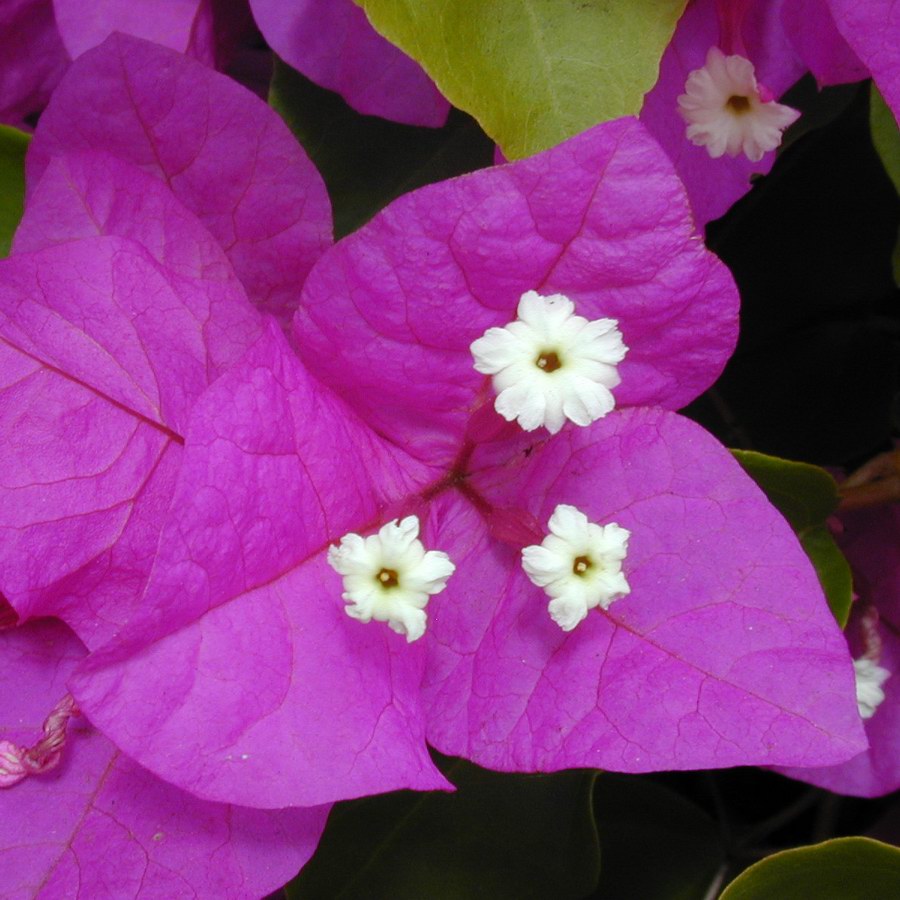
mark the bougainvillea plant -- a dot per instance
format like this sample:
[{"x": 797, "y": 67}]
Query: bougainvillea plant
[{"x": 286, "y": 523}]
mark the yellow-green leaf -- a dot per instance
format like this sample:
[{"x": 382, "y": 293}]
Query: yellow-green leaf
[{"x": 534, "y": 72}]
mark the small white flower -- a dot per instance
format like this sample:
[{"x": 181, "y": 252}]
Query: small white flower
[
  {"x": 551, "y": 365},
  {"x": 869, "y": 679},
  {"x": 389, "y": 576},
  {"x": 725, "y": 110},
  {"x": 579, "y": 565}
]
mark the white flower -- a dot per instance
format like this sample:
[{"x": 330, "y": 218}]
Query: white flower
[
  {"x": 551, "y": 365},
  {"x": 389, "y": 576},
  {"x": 725, "y": 110},
  {"x": 579, "y": 565},
  {"x": 869, "y": 679}
]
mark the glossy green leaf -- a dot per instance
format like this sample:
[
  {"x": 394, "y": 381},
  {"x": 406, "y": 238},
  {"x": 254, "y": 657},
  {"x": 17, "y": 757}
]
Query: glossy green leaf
[
  {"x": 852, "y": 868},
  {"x": 13, "y": 144},
  {"x": 534, "y": 72},
  {"x": 656, "y": 845},
  {"x": 366, "y": 161},
  {"x": 499, "y": 836},
  {"x": 806, "y": 496}
]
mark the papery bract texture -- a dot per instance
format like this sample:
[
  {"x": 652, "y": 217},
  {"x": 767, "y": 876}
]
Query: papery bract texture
[
  {"x": 705, "y": 663},
  {"x": 388, "y": 316},
  {"x": 33, "y": 59},
  {"x": 274, "y": 696},
  {"x": 744, "y": 671},
  {"x": 101, "y": 826},
  {"x": 714, "y": 184},
  {"x": 93, "y": 194},
  {"x": 101, "y": 358},
  {"x": 332, "y": 43},
  {"x": 871, "y": 30},
  {"x": 182, "y": 25},
  {"x": 871, "y": 541},
  {"x": 225, "y": 155},
  {"x": 817, "y": 41}
]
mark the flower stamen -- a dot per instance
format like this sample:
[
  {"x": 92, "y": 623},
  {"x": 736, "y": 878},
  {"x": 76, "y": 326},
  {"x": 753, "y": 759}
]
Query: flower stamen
[
  {"x": 738, "y": 104},
  {"x": 549, "y": 361},
  {"x": 388, "y": 578},
  {"x": 581, "y": 565}
]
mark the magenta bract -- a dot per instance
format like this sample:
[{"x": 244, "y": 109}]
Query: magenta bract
[
  {"x": 702, "y": 665},
  {"x": 273, "y": 700},
  {"x": 332, "y": 43},
  {"x": 389, "y": 319},
  {"x": 34, "y": 58},
  {"x": 871, "y": 30},
  {"x": 817, "y": 41},
  {"x": 130, "y": 240},
  {"x": 40, "y": 38},
  {"x": 101, "y": 361},
  {"x": 99, "y": 825},
  {"x": 144, "y": 314},
  {"x": 222, "y": 152},
  {"x": 182, "y": 25}
]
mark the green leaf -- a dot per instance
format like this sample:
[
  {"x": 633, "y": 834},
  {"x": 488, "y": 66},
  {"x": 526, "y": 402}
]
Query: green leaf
[
  {"x": 853, "y": 868},
  {"x": 499, "y": 836},
  {"x": 365, "y": 161},
  {"x": 656, "y": 845},
  {"x": 534, "y": 72},
  {"x": 885, "y": 135},
  {"x": 13, "y": 144},
  {"x": 806, "y": 496},
  {"x": 886, "y": 138}
]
